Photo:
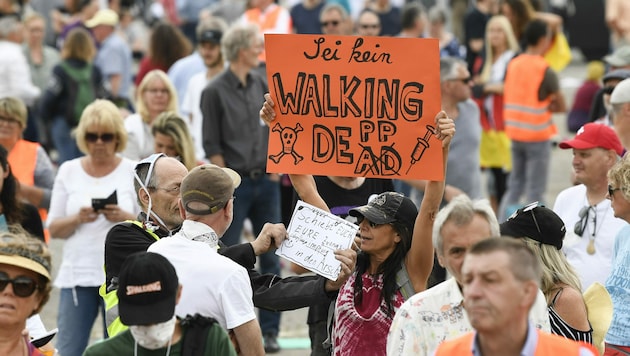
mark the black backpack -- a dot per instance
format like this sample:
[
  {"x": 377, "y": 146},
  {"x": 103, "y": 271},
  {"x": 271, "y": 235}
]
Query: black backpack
[{"x": 196, "y": 336}]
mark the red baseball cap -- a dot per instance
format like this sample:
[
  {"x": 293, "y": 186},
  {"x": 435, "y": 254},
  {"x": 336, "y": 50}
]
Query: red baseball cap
[{"x": 594, "y": 135}]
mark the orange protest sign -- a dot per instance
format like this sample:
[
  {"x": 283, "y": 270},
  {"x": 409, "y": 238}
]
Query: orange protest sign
[{"x": 354, "y": 106}]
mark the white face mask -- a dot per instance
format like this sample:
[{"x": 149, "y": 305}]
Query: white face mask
[{"x": 153, "y": 337}]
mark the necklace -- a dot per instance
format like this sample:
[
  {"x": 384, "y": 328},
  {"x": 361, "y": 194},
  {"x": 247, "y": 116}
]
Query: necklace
[
  {"x": 590, "y": 247},
  {"x": 135, "y": 348}
]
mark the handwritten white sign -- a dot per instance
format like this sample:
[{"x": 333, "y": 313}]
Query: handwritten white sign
[{"x": 313, "y": 236}]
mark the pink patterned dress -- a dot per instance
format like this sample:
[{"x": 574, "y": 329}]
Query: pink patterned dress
[{"x": 362, "y": 329}]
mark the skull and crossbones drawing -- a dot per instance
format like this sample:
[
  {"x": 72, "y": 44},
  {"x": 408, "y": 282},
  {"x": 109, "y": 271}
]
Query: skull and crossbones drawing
[{"x": 288, "y": 136}]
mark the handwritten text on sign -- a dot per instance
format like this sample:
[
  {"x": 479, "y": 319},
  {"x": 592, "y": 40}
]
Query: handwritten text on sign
[
  {"x": 354, "y": 106},
  {"x": 314, "y": 235}
]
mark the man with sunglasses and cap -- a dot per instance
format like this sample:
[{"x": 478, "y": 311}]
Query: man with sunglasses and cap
[
  {"x": 149, "y": 291},
  {"x": 587, "y": 214}
]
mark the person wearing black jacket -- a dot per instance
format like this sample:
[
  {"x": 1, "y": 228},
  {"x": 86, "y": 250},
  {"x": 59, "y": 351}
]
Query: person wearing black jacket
[{"x": 157, "y": 183}]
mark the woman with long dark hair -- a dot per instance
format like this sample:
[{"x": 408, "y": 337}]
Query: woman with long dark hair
[{"x": 12, "y": 210}]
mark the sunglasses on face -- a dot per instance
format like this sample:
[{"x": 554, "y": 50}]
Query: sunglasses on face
[
  {"x": 463, "y": 80},
  {"x": 372, "y": 225},
  {"x": 94, "y": 137},
  {"x": 612, "y": 190},
  {"x": 326, "y": 23},
  {"x": 368, "y": 26},
  {"x": 23, "y": 287}
]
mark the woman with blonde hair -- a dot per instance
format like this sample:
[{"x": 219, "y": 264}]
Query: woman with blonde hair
[
  {"x": 155, "y": 95},
  {"x": 501, "y": 46},
  {"x": 90, "y": 195},
  {"x": 171, "y": 137},
  {"x": 543, "y": 231},
  {"x": 63, "y": 100},
  {"x": 618, "y": 282}
]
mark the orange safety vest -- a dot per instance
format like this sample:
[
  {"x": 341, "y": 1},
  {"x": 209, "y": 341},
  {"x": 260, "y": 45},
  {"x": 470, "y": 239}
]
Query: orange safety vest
[
  {"x": 548, "y": 345},
  {"x": 22, "y": 159},
  {"x": 526, "y": 118},
  {"x": 264, "y": 21}
]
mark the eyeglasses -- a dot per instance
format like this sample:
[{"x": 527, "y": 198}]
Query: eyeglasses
[
  {"x": 23, "y": 287},
  {"x": 463, "y": 80},
  {"x": 8, "y": 120},
  {"x": 158, "y": 91},
  {"x": 93, "y": 137},
  {"x": 326, "y": 23},
  {"x": 173, "y": 190},
  {"x": 368, "y": 26},
  {"x": 612, "y": 191},
  {"x": 372, "y": 225},
  {"x": 580, "y": 225}
]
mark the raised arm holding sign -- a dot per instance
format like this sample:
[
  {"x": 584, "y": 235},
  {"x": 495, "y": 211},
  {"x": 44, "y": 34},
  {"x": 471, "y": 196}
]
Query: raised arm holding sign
[{"x": 354, "y": 106}]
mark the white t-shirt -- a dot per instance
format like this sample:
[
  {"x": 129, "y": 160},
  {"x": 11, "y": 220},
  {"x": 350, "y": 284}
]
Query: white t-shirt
[
  {"x": 139, "y": 138},
  {"x": 436, "y": 315},
  {"x": 192, "y": 112},
  {"x": 84, "y": 251},
  {"x": 212, "y": 285},
  {"x": 596, "y": 267}
]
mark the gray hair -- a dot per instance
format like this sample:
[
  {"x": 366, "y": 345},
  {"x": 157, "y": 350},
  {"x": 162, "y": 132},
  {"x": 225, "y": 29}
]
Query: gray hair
[
  {"x": 437, "y": 14},
  {"x": 334, "y": 7},
  {"x": 461, "y": 211},
  {"x": 8, "y": 25},
  {"x": 236, "y": 38},
  {"x": 448, "y": 68}
]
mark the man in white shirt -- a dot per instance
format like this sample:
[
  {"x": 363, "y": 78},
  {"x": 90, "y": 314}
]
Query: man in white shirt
[
  {"x": 216, "y": 286},
  {"x": 437, "y": 314},
  {"x": 209, "y": 33},
  {"x": 587, "y": 214}
]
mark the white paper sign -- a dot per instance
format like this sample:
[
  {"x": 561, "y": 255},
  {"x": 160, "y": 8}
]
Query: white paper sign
[{"x": 314, "y": 235}]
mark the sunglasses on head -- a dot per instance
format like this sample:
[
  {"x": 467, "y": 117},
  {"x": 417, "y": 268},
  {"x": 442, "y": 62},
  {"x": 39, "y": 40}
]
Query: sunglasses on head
[
  {"x": 93, "y": 137},
  {"x": 22, "y": 286}
]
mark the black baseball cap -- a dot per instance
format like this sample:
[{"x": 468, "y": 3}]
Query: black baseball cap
[
  {"x": 536, "y": 222},
  {"x": 211, "y": 36},
  {"x": 387, "y": 208},
  {"x": 147, "y": 289}
]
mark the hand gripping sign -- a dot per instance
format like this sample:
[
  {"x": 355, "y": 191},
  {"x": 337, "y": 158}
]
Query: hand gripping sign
[{"x": 354, "y": 106}]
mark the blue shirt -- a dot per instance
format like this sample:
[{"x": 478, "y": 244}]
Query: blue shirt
[
  {"x": 114, "y": 57},
  {"x": 618, "y": 286},
  {"x": 184, "y": 69}
]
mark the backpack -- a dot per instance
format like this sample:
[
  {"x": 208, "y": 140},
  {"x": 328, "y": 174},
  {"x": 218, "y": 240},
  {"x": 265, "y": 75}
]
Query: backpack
[
  {"x": 81, "y": 91},
  {"x": 194, "y": 341}
]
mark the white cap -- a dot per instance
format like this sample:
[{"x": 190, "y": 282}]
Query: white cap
[{"x": 621, "y": 94}]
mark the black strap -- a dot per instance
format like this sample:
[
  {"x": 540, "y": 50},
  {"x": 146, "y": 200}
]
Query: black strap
[{"x": 196, "y": 335}]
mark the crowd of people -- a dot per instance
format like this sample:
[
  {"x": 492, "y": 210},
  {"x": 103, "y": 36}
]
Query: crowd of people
[{"x": 133, "y": 131}]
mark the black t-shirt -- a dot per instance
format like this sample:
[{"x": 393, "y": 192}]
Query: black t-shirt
[{"x": 474, "y": 28}]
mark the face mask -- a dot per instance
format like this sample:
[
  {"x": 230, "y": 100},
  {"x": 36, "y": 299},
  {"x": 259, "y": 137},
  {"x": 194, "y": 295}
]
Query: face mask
[{"x": 153, "y": 337}]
